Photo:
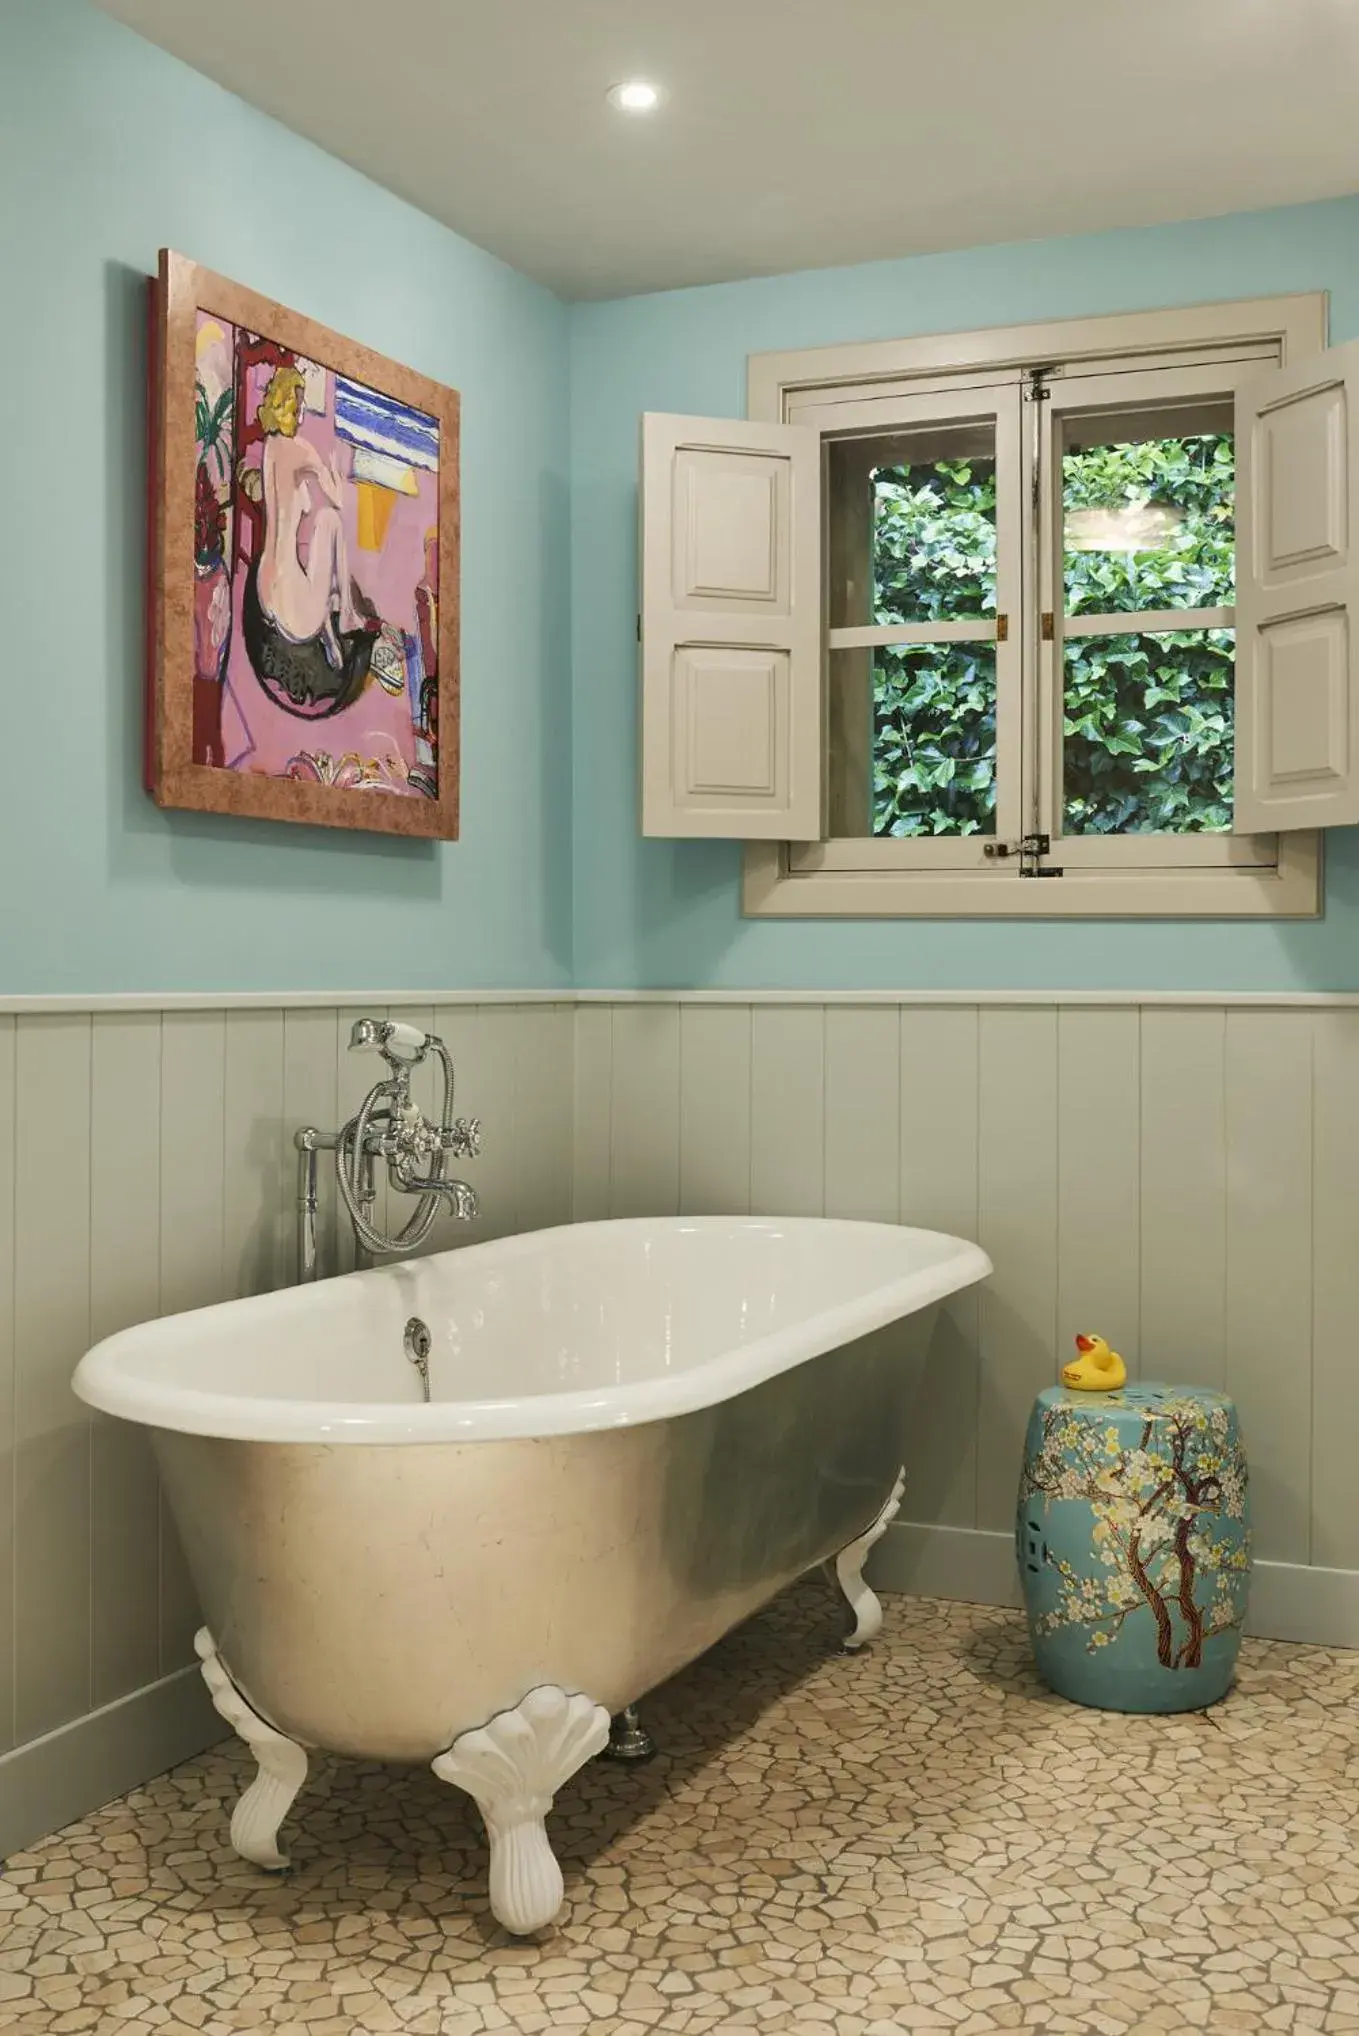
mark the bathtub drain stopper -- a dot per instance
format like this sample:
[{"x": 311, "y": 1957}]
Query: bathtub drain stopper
[{"x": 419, "y": 1343}]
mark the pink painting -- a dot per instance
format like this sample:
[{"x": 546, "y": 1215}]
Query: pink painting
[{"x": 316, "y": 548}]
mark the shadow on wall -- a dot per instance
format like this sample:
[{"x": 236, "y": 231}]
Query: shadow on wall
[{"x": 207, "y": 851}]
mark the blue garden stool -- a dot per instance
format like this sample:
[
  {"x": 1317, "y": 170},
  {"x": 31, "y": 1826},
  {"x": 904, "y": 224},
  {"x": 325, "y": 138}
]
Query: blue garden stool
[{"x": 1133, "y": 1539}]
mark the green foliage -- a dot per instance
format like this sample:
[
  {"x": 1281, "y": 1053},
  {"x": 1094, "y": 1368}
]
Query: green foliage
[
  {"x": 1149, "y": 733},
  {"x": 934, "y": 705},
  {"x": 1148, "y": 720},
  {"x": 934, "y": 747},
  {"x": 210, "y": 426},
  {"x": 1195, "y": 567}
]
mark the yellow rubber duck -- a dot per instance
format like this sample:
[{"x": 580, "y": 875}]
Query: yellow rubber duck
[{"x": 1097, "y": 1370}]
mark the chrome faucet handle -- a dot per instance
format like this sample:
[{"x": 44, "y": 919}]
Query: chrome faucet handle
[{"x": 463, "y": 1139}]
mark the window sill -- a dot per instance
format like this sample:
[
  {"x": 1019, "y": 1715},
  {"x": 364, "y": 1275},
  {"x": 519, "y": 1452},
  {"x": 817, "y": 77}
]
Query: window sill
[{"x": 1293, "y": 890}]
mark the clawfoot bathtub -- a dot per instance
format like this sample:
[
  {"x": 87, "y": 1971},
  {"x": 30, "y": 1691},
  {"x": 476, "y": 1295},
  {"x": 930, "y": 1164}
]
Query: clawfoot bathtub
[{"x": 635, "y": 1434}]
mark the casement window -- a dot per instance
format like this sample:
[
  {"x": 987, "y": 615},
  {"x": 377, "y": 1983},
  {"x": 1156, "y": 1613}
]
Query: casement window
[{"x": 1051, "y": 620}]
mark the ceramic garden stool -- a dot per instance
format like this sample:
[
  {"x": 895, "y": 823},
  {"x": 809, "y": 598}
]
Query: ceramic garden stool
[{"x": 1133, "y": 1539}]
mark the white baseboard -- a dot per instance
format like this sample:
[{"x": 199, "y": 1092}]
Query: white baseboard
[
  {"x": 70, "y": 1772},
  {"x": 1289, "y": 1600}
]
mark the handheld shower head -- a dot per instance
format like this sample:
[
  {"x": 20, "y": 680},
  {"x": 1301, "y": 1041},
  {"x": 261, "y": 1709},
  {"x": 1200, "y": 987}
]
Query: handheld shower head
[{"x": 394, "y": 1041}]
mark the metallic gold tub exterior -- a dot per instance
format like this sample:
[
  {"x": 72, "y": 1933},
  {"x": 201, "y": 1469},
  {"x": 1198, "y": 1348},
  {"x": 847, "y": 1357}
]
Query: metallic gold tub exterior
[{"x": 380, "y": 1599}]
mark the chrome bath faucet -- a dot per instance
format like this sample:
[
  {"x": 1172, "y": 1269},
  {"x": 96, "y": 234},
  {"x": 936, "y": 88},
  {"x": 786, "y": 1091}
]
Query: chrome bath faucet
[{"x": 389, "y": 1126}]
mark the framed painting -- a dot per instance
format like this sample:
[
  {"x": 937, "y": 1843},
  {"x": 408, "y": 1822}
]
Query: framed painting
[{"x": 303, "y": 569}]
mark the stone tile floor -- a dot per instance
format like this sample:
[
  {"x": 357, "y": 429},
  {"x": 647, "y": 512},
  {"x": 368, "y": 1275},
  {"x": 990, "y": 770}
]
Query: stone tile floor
[{"x": 916, "y": 1838}]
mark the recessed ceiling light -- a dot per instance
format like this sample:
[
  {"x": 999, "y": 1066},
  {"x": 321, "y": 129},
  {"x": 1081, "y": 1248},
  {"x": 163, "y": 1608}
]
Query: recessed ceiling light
[{"x": 636, "y": 96}]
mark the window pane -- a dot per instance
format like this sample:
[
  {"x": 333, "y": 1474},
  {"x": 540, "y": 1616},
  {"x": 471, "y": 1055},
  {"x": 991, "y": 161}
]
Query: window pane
[
  {"x": 1149, "y": 522},
  {"x": 914, "y": 526},
  {"x": 913, "y": 740},
  {"x": 1148, "y": 733}
]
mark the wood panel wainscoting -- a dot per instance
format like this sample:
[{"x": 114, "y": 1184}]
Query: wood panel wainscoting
[
  {"x": 1177, "y": 1173},
  {"x": 146, "y": 1165}
]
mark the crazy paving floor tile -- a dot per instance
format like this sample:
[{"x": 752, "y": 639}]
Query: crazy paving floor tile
[{"x": 918, "y": 1838}]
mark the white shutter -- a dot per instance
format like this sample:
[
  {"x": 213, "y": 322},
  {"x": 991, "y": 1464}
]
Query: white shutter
[
  {"x": 1297, "y": 600},
  {"x": 731, "y": 629}
]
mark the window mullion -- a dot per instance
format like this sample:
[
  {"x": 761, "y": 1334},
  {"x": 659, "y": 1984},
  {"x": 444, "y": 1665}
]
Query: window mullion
[
  {"x": 849, "y": 707},
  {"x": 1148, "y": 621},
  {"x": 1042, "y": 656}
]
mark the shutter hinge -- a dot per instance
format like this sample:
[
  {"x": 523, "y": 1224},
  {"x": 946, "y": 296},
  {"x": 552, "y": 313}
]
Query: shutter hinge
[
  {"x": 1002, "y": 629},
  {"x": 1049, "y": 629},
  {"x": 639, "y": 628},
  {"x": 1030, "y": 848}
]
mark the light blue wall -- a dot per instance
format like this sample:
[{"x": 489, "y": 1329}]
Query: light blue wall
[
  {"x": 110, "y": 149},
  {"x": 660, "y": 913}
]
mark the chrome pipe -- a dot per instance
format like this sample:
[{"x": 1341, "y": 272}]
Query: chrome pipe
[{"x": 309, "y": 1141}]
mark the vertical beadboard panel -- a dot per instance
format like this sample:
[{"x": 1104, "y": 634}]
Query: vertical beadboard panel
[
  {"x": 863, "y": 1075},
  {"x": 192, "y": 1274},
  {"x": 488, "y": 1070},
  {"x": 862, "y": 1162},
  {"x": 1335, "y": 1273},
  {"x": 1269, "y": 1267},
  {"x": 125, "y": 1100},
  {"x": 938, "y": 1191},
  {"x": 787, "y": 1110},
  {"x": 714, "y": 1178},
  {"x": 1017, "y": 1222},
  {"x": 192, "y": 1134},
  {"x": 310, "y": 1096},
  {"x": 7, "y": 1439},
  {"x": 1099, "y": 1189},
  {"x": 541, "y": 1132},
  {"x": 256, "y": 1180},
  {"x": 51, "y": 1323},
  {"x": 1184, "y": 1196},
  {"x": 592, "y": 1113},
  {"x": 646, "y": 1110}
]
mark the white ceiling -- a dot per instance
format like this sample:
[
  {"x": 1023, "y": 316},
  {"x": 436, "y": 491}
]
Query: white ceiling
[{"x": 797, "y": 133}]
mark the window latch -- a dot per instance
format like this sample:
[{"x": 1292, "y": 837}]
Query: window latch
[{"x": 1031, "y": 849}]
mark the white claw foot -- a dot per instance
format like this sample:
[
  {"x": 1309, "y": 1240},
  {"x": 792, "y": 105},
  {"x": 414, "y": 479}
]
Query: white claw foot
[
  {"x": 849, "y": 1573},
  {"x": 512, "y": 1768},
  {"x": 282, "y": 1764}
]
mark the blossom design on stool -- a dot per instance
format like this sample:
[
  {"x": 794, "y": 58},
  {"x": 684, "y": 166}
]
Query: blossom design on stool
[{"x": 1169, "y": 1515}]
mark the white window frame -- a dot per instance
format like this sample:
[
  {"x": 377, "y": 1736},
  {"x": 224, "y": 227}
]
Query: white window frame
[{"x": 813, "y": 881}]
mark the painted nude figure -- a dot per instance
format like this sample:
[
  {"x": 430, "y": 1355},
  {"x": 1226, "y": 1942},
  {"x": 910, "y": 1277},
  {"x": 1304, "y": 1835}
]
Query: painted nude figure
[{"x": 309, "y": 640}]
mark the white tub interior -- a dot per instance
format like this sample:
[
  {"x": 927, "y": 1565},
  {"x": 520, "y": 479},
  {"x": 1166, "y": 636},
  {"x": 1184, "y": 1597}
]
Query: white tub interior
[{"x": 589, "y": 1326}]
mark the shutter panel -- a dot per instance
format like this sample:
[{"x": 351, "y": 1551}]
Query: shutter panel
[
  {"x": 731, "y": 625},
  {"x": 1297, "y": 600}
]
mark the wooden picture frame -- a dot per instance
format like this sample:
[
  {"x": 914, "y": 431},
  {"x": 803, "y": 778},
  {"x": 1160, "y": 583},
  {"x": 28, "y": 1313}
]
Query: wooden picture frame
[{"x": 302, "y": 569}]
